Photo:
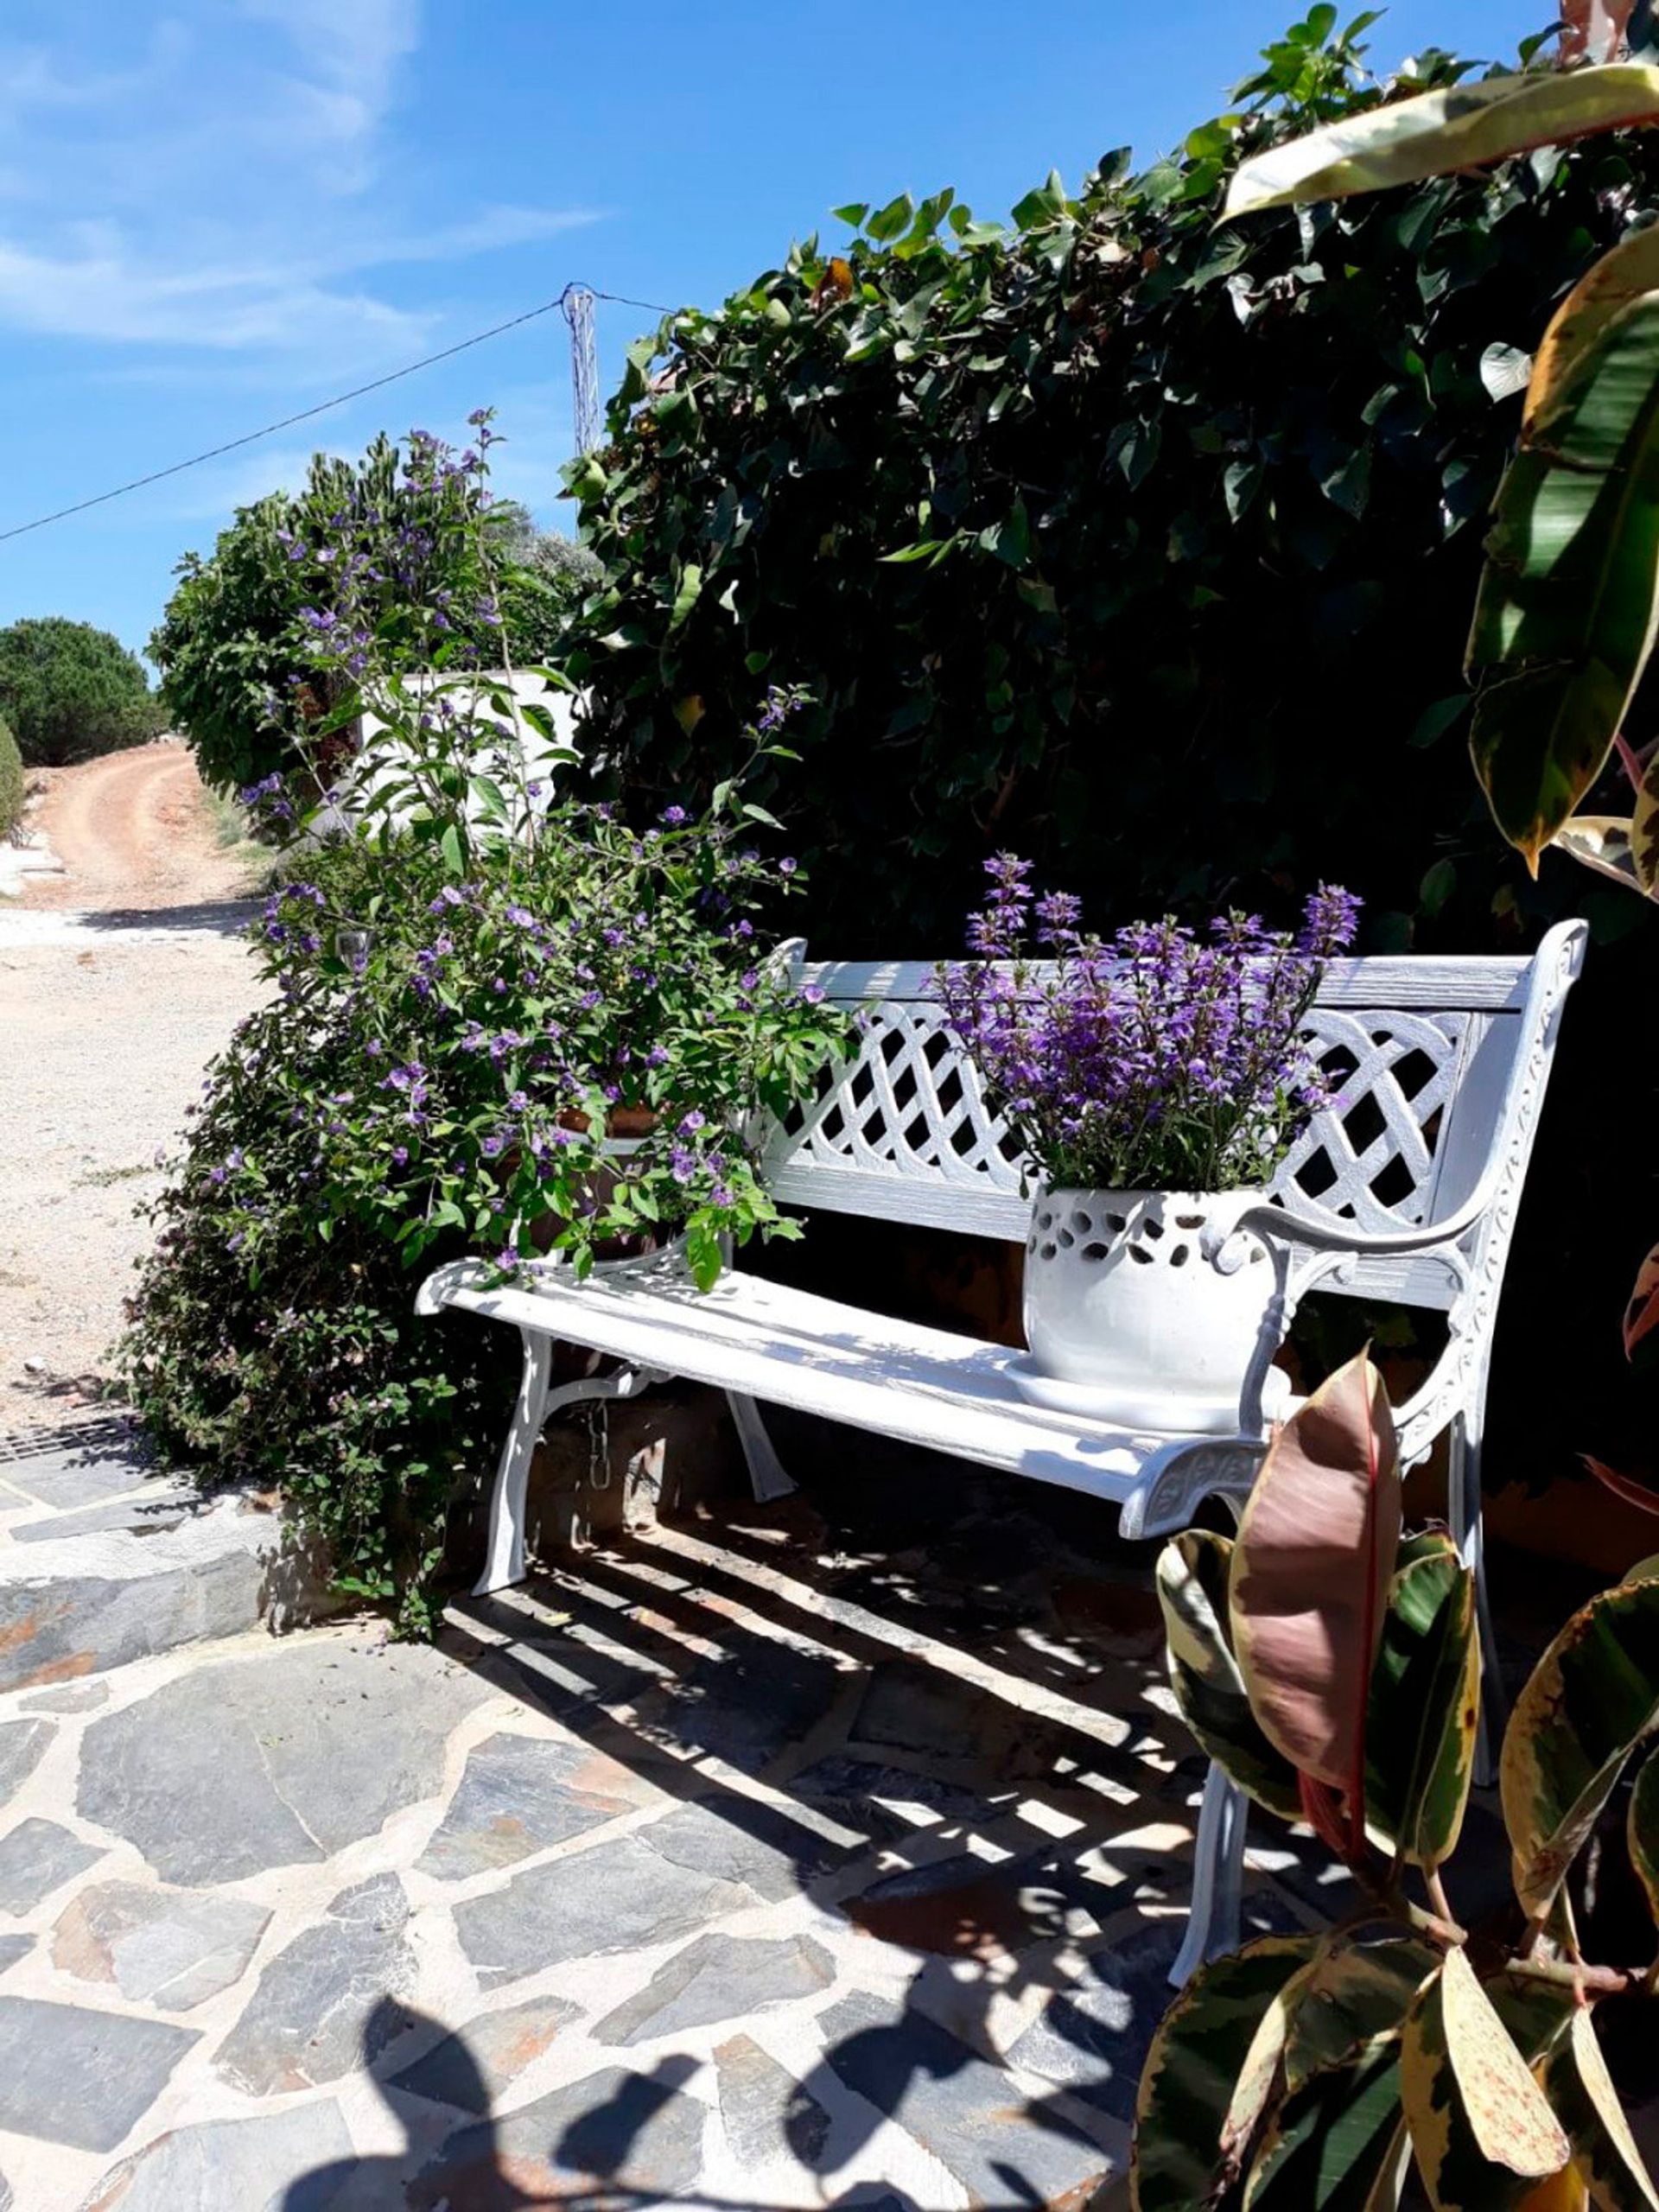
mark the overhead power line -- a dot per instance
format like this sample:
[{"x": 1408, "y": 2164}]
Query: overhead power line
[{"x": 323, "y": 406}]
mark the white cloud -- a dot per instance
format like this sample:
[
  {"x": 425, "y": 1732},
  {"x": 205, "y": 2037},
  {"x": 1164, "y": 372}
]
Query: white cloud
[{"x": 216, "y": 188}]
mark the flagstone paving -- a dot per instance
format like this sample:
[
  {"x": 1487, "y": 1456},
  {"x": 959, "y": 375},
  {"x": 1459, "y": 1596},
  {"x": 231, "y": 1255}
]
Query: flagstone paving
[{"x": 762, "y": 1862}]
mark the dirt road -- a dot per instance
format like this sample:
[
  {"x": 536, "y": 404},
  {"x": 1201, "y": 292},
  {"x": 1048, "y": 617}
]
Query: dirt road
[
  {"x": 119, "y": 980},
  {"x": 135, "y": 831}
]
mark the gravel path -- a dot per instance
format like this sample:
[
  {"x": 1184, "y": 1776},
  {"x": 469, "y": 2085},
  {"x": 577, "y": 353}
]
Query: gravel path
[{"x": 119, "y": 982}]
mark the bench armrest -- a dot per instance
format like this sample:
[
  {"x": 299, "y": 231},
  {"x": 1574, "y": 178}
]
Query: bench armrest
[{"x": 1293, "y": 1227}]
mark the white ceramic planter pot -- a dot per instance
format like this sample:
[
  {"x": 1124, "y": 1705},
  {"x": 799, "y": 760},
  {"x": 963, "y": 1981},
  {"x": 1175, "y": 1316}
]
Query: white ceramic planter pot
[{"x": 1145, "y": 1307}]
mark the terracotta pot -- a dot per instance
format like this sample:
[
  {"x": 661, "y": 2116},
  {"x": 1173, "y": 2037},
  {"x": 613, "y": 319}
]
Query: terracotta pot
[{"x": 624, "y": 1125}]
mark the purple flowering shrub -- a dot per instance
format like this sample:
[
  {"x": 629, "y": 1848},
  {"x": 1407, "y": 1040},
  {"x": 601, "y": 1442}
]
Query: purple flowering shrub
[
  {"x": 488, "y": 1036},
  {"x": 435, "y": 1075},
  {"x": 406, "y": 544},
  {"x": 478, "y": 994},
  {"x": 1159, "y": 1059}
]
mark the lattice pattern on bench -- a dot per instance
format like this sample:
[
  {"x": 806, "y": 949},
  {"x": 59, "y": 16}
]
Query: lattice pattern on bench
[
  {"x": 911, "y": 1107},
  {"x": 1371, "y": 1159}
]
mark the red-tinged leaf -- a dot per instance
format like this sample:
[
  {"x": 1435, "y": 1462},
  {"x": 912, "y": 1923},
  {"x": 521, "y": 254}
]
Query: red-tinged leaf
[
  {"x": 1643, "y": 1496},
  {"x": 1592, "y": 31},
  {"x": 1322, "y": 1810},
  {"x": 1311, "y": 1570},
  {"x": 1642, "y": 1314}
]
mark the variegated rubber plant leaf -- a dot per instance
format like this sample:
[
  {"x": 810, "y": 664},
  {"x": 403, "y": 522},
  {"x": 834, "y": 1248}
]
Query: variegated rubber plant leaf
[
  {"x": 1336, "y": 2141},
  {"x": 1482, "y": 2130},
  {"x": 1192, "y": 1576},
  {"x": 1593, "y": 1699},
  {"x": 1458, "y": 127},
  {"x": 1310, "y": 1575},
  {"x": 1642, "y": 1830},
  {"x": 1424, "y": 1709},
  {"x": 1192, "y": 2071},
  {"x": 1577, "y": 2084}
]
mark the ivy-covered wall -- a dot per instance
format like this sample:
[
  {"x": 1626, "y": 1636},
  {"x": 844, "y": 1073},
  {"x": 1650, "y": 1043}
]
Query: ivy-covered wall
[{"x": 1148, "y": 548}]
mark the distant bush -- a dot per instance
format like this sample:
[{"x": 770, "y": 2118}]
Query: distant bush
[
  {"x": 70, "y": 692},
  {"x": 11, "y": 782},
  {"x": 237, "y": 653}
]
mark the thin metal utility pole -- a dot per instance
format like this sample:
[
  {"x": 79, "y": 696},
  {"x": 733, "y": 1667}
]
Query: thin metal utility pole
[{"x": 584, "y": 366}]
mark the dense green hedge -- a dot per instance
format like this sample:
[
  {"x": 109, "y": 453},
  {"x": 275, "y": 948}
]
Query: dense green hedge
[
  {"x": 11, "y": 782},
  {"x": 1147, "y": 547},
  {"x": 1143, "y": 545}
]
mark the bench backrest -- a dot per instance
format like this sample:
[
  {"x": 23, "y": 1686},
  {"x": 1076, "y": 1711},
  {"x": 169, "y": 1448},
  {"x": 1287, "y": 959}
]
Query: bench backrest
[{"x": 1440, "y": 1064}]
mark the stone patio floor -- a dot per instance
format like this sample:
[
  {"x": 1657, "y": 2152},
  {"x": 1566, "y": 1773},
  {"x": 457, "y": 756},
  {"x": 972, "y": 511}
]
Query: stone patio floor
[{"x": 827, "y": 1853}]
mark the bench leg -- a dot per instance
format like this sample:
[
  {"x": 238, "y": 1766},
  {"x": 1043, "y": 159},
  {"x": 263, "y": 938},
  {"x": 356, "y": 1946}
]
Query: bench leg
[
  {"x": 1212, "y": 1925},
  {"x": 505, "y": 1552},
  {"x": 767, "y": 1476},
  {"x": 1463, "y": 1500}
]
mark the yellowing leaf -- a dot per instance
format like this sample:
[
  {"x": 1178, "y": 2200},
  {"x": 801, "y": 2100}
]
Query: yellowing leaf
[
  {"x": 1602, "y": 842},
  {"x": 1459, "y": 127},
  {"x": 1603, "y": 2150},
  {"x": 1310, "y": 1569},
  {"x": 1593, "y": 1699},
  {"x": 1561, "y": 2192},
  {"x": 1192, "y": 1575},
  {"x": 1478, "y": 2120}
]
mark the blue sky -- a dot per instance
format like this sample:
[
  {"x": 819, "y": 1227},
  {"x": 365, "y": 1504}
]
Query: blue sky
[{"x": 218, "y": 212}]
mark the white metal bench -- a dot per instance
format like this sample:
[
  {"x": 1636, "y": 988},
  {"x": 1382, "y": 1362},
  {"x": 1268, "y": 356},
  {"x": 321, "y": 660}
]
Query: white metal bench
[{"x": 1405, "y": 1191}]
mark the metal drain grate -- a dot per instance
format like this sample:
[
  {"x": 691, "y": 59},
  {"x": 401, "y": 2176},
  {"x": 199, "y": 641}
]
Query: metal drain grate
[{"x": 92, "y": 1432}]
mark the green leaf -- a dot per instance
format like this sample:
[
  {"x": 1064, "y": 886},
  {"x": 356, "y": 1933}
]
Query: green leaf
[
  {"x": 1010, "y": 539},
  {"x": 1436, "y": 719},
  {"x": 449, "y": 846},
  {"x": 1355, "y": 1997},
  {"x": 893, "y": 220},
  {"x": 685, "y": 596},
  {"x": 1192, "y": 1576},
  {"x": 1425, "y": 1707},
  {"x": 1622, "y": 275},
  {"x": 1643, "y": 1831},
  {"x": 1440, "y": 881},
  {"x": 1577, "y": 2084},
  {"x": 853, "y": 213},
  {"x": 1480, "y": 2126},
  {"x": 1593, "y": 1699},
  {"x": 1197, "y": 2056},
  {"x": 1458, "y": 127},
  {"x": 1349, "y": 485},
  {"x": 1311, "y": 1571},
  {"x": 1568, "y": 601},
  {"x": 1336, "y": 2145}
]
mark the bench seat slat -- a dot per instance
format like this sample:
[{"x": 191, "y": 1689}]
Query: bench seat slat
[{"x": 788, "y": 1347}]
